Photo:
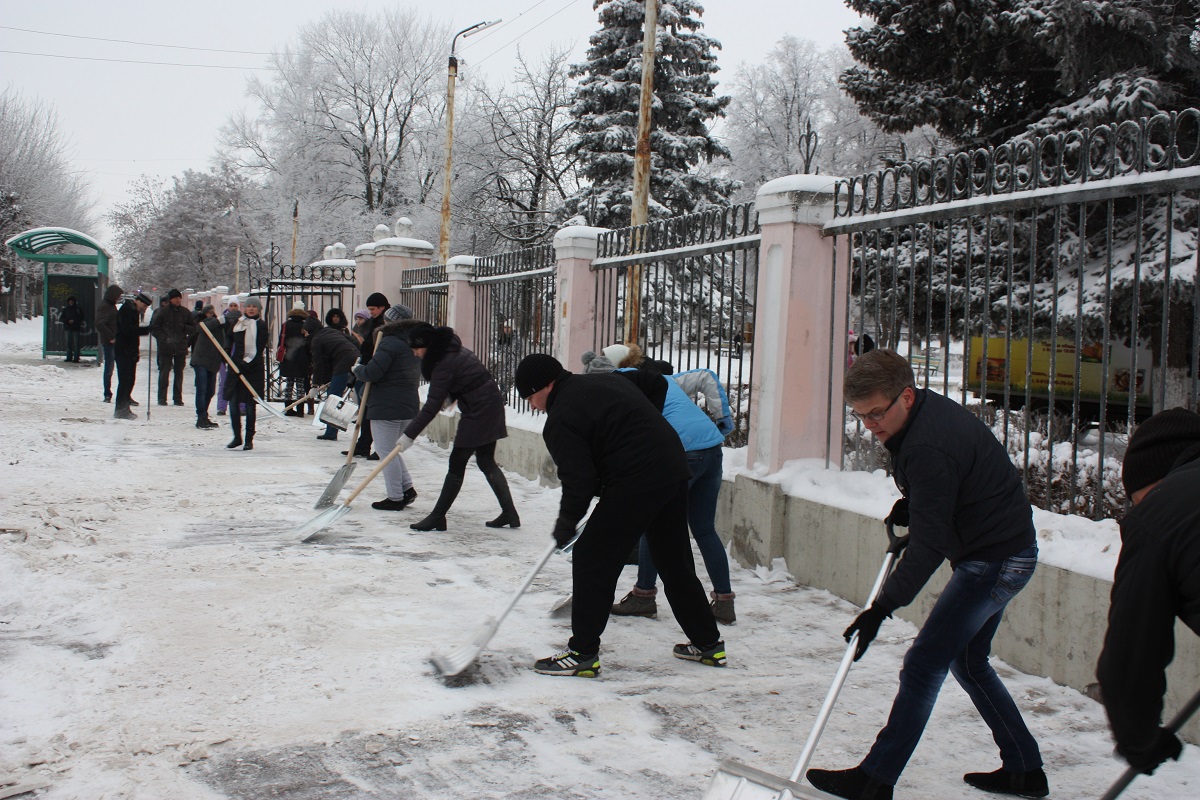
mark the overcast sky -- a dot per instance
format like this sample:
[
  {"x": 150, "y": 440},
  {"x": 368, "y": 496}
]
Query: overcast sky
[{"x": 126, "y": 119}]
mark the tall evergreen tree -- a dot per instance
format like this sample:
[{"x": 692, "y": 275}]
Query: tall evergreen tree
[
  {"x": 685, "y": 102},
  {"x": 986, "y": 71}
]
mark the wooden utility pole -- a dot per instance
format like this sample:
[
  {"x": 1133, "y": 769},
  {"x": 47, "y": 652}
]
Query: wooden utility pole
[
  {"x": 639, "y": 214},
  {"x": 295, "y": 228}
]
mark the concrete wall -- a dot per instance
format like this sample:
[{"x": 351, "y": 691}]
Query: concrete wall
[{"x": 1054, "y": 628}]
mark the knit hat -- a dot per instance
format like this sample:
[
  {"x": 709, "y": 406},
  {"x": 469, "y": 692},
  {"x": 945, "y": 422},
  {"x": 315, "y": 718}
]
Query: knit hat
[
  {"x": 536, "y": 372},
  {"x": 1157, "y": 445},
  {"x": 616, "y": 353},
  {"x": 377, "y": 300},
  {"x": 252, "y": 301},
  {"x": 171, "y": 295},
  {"x": 397, "y": 313},
  {"x": 141, "y": 298},
  {"x": 594, "y": 363},
  {"x": 298, "y": 305},
  {"x": 421, "y": 335},
  {"x": 362, "y": 313}
]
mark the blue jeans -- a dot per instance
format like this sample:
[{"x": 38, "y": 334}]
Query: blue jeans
[
  {"x": 110, "y": 363},
  {"x": 704, "y": 485},
  {"x": 206, "y": 386},
  {"x": 957, "y": 637},
  {"x": 72, "y": 345}
]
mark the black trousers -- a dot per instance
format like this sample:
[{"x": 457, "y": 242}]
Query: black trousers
[
  {"x": 126, "y": 377},
  {"x": 599, "y": 556},
  {"x": 168, "y": 363}
]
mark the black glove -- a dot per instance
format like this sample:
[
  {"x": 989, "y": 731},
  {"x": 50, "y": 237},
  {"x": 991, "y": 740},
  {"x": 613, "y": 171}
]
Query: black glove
[
  {"x": 1147, "y": 759},
  {"x": 867, "y": 625},
  {"x": 899, "y": 514},
  {"x": 564, "y": 532}
]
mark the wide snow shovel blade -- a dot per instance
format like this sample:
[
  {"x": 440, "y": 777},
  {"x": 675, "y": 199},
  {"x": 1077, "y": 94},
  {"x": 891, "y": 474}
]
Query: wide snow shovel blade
[
  {"x": 562, "y": 606},
  {"x": 274, "y": 412},
  {"x": 346, "y": 470},
  {"x": 234, "y": 368},
  {"x": 1177, "y": 722},
  {"x": 735, "y": 781},
  {"x": 458, "y": 660},
  {"x": 329, "y": 516}
]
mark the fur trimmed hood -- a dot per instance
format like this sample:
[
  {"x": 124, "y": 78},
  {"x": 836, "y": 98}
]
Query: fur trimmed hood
[{"x": 442, "y": 342}]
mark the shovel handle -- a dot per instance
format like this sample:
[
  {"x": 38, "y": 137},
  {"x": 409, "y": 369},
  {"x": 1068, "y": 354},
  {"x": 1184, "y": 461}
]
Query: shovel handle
[
  {"x": 1177, "y": 722},
  {"x": 232, "y": 366},
  {"x": 313, "y": 392},
  {"x": 362, "y": 407},
  {"x": 383, "y": 462}
]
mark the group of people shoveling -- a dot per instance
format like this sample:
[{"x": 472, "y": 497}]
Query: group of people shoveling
[{"x": 632, "y": 437}]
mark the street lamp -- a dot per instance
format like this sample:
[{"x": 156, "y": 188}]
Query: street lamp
[{"x": 444, "y": 238}]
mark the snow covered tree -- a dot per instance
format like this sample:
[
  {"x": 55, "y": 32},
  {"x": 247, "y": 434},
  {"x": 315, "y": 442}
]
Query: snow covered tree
[
  {"x": 684, "y": 104},
  {"x": 983, "y": 72}
]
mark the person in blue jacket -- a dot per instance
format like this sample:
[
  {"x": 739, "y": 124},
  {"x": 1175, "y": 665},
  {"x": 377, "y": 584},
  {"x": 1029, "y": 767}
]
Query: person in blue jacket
[{"x": 702, "y": 436}]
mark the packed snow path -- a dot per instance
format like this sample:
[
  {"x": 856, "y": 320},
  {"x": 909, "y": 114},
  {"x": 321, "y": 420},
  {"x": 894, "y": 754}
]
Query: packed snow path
[{"x": 163, "y": 636}]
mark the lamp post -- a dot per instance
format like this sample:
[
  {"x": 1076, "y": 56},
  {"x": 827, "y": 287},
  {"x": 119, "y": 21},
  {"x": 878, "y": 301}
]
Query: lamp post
[{"x": 452, "y": 72}]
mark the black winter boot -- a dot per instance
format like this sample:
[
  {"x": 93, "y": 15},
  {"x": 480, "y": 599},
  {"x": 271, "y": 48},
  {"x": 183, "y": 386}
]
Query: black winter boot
[
  {"x": 1022, "y": 784},
  {"x": 249, "y": 445},
  {"x": 235, "y": 420},
  {"x": 509, "y": 515},
  {"x": 436, "y": 521}
]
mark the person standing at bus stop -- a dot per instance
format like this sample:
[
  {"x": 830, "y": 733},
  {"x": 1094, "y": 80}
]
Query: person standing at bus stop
[{"x": 72, "y": 320}]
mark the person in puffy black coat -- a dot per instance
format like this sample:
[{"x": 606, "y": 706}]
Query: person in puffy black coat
[
  {"x": 173, "y": 329},
  {"x": 456, "y": 375},
  {"x": 394, "y": 374},
  {"x": 72, "y": 319},
  {"x": 248, "y": 349},
  {"x": 333, "y": 353},
  {"x": 127, "y": 344},
  {"x": 106, "y": 332},
  {"x": 206, "y": 362},
  {"x": 1157, "y": 580},
  {"x": 297, "y": 362}
]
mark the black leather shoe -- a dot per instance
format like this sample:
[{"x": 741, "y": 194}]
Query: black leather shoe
[
  {"x": 1021, "y": 784},
  {"x": 851, "y": 784},
  {"x": 237, "y": 442}
]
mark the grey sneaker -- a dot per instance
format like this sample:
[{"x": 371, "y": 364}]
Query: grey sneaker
[
  {"x": 722, "y": 608},
  {"x": 124, "y": 413},
  {"x": 713, "y": 655},
  {"x": 633, "y": 605}
]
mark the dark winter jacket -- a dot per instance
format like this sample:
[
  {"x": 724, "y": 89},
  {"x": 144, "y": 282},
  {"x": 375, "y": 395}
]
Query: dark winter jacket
[
  {"x": 1157, "y": 580},
  {"x": 255, "y": 369},
  {"x": 607, "y": 438},
  {"x": 204, "y": 353},
  {"x": 129, "y": 330},
  {"x": 966, "y": 502},
  {"x": 394, "y": 373},
  {"x": 296, "y": 360},
  {"x": 71, "y": 317},
  {"x": 454, "y": 373},
  {"x": 106, "y": 315},
  {"x": 173, "y": 329},
  {"x": 369, "y": 326},
  {"x": 333, "y": 352}
]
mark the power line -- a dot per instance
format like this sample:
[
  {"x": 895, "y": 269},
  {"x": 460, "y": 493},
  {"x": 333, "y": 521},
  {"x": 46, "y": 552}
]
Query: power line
[
  {"x": 526, "y": 33},
  {"x": 127, "y": 41},
  {"x": 502, "y": 26},
  {"x": 130, "y": 61}
]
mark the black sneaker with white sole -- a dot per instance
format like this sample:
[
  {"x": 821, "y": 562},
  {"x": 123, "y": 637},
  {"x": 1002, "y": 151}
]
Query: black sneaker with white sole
[
  {"x": 713, "y": 656},
  {"x": 569, "y": 663}
]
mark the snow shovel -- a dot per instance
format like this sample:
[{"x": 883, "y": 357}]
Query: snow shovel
[
  {"x": 346, "y": 470},
  {"x": 272, "y": 411},
  {"x": 1177, "y": 722},
  {"x": 457, "y": 661},
  {"x": 331, "y": 515},
  {"x": 735, "y": 781},
  {"x": 312, "y": 394}
]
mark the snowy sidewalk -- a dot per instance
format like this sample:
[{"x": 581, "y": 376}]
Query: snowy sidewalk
[{"x": 162, "y": 636}]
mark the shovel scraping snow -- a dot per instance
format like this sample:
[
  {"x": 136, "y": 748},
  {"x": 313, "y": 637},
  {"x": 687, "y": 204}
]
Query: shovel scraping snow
[
  {"x": 320, "y": 522},
  {"x": 735, "y": 781},
  {"x": 1177, "y": 722},
  {"x": 275, "y": 412}
]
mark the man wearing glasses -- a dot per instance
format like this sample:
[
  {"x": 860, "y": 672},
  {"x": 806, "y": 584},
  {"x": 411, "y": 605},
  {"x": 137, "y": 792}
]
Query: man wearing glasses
[{"x": 963, "y": 502}]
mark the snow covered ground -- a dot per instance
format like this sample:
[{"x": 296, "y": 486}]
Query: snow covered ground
[{"x": 163, "y": 636}]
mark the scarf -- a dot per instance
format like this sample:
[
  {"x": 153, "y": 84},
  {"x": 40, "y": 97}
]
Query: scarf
[{"x": 250, "y": 350}]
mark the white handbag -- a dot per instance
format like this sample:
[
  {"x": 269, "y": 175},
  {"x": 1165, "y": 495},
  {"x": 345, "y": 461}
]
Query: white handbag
[{"x": 340, "y": 412}]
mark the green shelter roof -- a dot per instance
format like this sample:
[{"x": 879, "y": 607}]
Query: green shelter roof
[{"x": 33, "y": 242}]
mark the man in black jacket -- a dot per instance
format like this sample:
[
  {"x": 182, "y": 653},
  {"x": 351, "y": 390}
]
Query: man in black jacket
[
  {"x": 1157, "y": 580},
  {"x": 128, "y": 342},
  {"x": 106, "y": 332},
  {"x": 173, "y": 328},
  {"x": 72, "y": 320},
  {"x": 607, "y": 439},
  {"x": 963, "y": 503}
]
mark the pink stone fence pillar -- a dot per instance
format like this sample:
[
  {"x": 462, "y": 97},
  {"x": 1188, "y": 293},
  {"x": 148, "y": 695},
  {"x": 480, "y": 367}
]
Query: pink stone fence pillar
[
  {"x": 460, "y": 303},
  {"x": 575, "y": 294},
  {"x": 796, "y": 406}
]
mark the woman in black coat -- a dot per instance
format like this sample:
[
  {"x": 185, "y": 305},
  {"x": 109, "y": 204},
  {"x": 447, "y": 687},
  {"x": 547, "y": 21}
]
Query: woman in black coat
[
  {"x": 297, "y": 363},
  {"x": 456, "y": 375},
  {"x": 248, "y": 349}
]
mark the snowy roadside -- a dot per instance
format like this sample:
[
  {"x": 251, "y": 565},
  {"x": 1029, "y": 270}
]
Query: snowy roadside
[{"x": 162, "y": 636}]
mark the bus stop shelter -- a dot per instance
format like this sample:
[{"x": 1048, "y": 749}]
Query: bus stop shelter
[{"x": 45, "y": 245}]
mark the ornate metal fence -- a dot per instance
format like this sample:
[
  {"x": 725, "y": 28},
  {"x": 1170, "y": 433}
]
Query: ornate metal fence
[
  {"x": 1049, "y": 284},
  {"x": 684, "y": 288},
  {"x": 426, "y": 291},
  {"x": 319, "y": 287},
  {"x": 514, "y": 295}
]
